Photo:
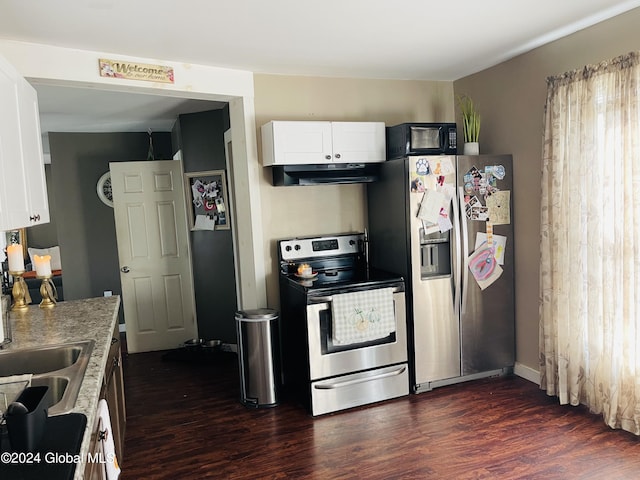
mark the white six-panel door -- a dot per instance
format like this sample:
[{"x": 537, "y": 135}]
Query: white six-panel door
[{"x": 153, "y": 252}]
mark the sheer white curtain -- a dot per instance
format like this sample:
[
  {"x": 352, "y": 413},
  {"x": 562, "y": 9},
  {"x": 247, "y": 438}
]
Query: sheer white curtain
[{"x": 590, "y": 241}]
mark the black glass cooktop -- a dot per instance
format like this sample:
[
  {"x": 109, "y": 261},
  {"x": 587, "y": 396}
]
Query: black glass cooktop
[{"x": 334, "y": 280}]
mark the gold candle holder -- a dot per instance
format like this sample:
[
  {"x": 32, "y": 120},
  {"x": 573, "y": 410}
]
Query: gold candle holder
[
  {"x": 48, "y": 292},
  {"x": 20, "y": 292}
]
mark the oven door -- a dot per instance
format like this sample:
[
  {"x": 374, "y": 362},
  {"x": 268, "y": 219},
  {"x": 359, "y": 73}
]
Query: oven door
[{"x": 327, "y": 360}]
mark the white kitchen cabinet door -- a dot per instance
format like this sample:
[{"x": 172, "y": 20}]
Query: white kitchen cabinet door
[
  {"x": 13, "y": 188},
  {"x": 23, "y": 193},
  {"x": 32, "y": 156},
  {"x": 358, "y": 142},
  {"x": 296, "y": 143},
  {"x": 304, "y": 143}
]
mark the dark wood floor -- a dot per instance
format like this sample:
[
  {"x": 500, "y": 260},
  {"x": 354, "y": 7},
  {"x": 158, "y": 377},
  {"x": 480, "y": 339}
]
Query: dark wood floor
[{"x": 185, "y": 421}]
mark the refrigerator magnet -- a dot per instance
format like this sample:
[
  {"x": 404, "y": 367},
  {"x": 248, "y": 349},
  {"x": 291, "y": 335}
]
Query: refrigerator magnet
[
  {"x": 446, "y": 166},
  {"x": 480, "y": 214},
  {"x": 499, "y": 208},
  {"x": 422, "y": 166},
  {"x": 499, "y": 245},
  {"x": 475, "y": 210},
  {"x": 469, "y": 203},
  {"x": 484, "y": 267},
  {"x": 474, "y": 172},
  {"x": 444, "y": 222},
  {"x": 417, "y": 185},
  {"x": 498, "y": 171}
]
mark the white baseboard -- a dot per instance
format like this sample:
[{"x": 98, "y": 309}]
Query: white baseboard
[{"x": 527, "y": 373}]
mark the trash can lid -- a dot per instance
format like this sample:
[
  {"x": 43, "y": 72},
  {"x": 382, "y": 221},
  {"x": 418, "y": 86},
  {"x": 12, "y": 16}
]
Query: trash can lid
[{"x": 257, "y": 314}]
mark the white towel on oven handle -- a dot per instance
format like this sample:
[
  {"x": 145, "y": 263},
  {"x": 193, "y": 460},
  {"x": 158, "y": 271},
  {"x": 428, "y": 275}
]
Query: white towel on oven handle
[
  {"x": 362, "y": 316},
  {"x": 106, "y": 437}
]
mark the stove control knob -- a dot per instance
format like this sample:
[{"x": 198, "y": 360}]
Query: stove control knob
[
  {"x": 352, "y": 242},
  {"x": 288, "y": 248},
  {"x": 297, "y": 247}
]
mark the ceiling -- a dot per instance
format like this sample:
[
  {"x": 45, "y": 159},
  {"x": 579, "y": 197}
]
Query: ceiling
[
  {"x": 399, "y": 39},
  {"x": 73, "y": 109}
]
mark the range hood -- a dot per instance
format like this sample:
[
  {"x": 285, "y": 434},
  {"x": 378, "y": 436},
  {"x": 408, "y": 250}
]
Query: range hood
[{"x": 325, "y": 174}]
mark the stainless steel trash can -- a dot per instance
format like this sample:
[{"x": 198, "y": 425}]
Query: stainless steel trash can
[{"x": 258, "y": 350}]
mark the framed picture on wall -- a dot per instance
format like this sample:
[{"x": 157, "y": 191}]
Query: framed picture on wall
[
  {"x": 17, "y": 236},
  {"x": 207, "y": 200}
]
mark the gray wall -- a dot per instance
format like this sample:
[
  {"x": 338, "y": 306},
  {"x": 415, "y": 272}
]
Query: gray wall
[
  {"x": 200, "y": 136},
  {"x": 85, "y": 225}
]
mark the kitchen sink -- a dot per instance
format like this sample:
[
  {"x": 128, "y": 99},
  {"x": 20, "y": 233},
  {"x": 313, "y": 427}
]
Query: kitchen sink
[
  {"x": 60, "y": 367},
  {"x": 57, "y": 386},
  {"x": 39, "y": 360}
]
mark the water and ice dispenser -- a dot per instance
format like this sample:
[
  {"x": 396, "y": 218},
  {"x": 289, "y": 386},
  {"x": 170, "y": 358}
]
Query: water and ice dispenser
[{"x": 435, "y": 254}]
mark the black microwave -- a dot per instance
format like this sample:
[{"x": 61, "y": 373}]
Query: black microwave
[{"x": 421, "y": 139}]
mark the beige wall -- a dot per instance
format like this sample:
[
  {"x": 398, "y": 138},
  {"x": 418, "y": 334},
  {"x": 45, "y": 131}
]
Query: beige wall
[
  {"x": 327, "y": 209},
  {"x": 511, "y": 99}
]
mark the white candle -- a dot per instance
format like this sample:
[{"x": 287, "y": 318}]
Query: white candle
[
  {"x": 43, "y": 265},
  {"x": 16, "y": 257}
]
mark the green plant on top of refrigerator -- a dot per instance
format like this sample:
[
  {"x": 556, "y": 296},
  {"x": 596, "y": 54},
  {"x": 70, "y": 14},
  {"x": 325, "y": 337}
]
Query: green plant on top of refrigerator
[{"x": 470, "y": 118}]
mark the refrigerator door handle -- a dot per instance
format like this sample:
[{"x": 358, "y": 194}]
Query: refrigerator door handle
[
  {"x": 457, "y": 212},
  {"x": 465, "y": 251}
]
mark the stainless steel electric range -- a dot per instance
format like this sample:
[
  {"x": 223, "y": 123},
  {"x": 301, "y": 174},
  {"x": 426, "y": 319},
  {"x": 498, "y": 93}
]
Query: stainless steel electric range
[{"x": 343, "y": 325}]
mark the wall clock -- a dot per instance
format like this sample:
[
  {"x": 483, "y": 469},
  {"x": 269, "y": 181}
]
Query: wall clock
[{"x": 104, "y": 189}]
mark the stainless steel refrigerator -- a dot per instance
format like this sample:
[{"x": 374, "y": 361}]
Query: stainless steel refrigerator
[{"x": 445, "y": 224}]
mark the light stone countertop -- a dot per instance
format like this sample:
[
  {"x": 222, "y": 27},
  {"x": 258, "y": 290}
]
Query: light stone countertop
[{"x": 73, "y": 321}]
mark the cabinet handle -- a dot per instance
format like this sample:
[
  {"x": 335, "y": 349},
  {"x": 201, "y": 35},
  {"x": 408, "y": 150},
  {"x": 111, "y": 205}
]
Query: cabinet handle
[
  {"x": 337, "y": 155},
  {"x": 114, "y": 340},
  {"x": 327, "y": 157},
  {"x": 35, "y": 218}
]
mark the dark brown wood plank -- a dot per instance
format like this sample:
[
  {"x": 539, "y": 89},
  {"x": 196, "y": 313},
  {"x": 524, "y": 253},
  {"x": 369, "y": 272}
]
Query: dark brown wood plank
[{"x": 185, "y": 421}]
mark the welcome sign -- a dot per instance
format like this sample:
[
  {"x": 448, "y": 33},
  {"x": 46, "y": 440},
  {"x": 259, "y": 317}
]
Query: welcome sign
[{"x": 135, "y": 71}]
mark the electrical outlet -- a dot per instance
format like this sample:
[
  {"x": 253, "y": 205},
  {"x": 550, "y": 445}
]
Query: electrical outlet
[{"x": 108, "y": 293}]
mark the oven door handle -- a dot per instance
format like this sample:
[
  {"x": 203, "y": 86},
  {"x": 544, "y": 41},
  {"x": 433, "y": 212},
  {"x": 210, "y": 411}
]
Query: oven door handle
[
  {"x": 346, "y": 383},
  {"x": 312, "y": 300},
  {"x": 323, "y": 299}
]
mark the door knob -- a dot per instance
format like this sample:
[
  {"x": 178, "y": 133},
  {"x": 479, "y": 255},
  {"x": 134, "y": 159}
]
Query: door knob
[{"x": 124, "y": 269}]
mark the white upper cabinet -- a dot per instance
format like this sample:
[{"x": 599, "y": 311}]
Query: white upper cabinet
[
  {"x": 32, "y": 156},
  {"x": 23, "y": 191},
  {"x": 13, "y": 189},
  {"x": 358, "y": 142},
  {"x": 300, "y": 143},
  {"x": 296, "y": 143}
]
